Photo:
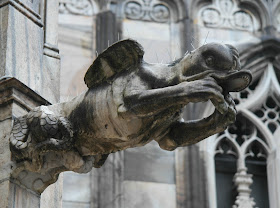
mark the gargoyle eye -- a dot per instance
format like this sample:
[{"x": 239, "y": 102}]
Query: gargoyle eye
[{"x": 210, "y": 61}]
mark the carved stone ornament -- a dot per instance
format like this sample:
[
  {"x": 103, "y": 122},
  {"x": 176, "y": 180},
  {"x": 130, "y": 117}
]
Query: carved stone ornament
[
  {"x": 128, "y": 104},
  {"x": 78, "y": 7},
  {"x": 243, "y": 181},
  {"x": 226, "y": 14},
  {"x": 147, "y": 10}
]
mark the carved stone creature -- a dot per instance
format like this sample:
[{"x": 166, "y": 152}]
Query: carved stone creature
[{"x": 129, "y": 103}]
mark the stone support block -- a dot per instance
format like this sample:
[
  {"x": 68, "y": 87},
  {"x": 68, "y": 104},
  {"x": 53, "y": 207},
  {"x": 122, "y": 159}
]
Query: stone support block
[{"x": 16, "y": 99}]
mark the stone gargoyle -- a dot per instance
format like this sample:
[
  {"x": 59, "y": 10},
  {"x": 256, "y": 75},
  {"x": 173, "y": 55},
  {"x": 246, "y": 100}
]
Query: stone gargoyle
[{"x": 129, "y": 103}]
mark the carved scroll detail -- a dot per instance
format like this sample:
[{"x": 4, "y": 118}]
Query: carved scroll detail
[
  {"x": 78, "y": 7},
  {"x": 147, "y": 10},
  {"x": 226, "y": 14}
]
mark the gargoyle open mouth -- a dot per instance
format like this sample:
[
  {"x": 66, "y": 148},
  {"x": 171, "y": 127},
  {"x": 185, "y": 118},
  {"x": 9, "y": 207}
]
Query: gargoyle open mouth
[{"x": 235, "y": 81}]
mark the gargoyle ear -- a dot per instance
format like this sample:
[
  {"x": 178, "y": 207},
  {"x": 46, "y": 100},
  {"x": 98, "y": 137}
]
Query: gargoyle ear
[{"x": 119, "y": 57}]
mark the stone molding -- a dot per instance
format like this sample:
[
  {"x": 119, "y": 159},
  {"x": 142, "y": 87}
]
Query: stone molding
[
  {"x": 25, "y": 10},
  {"x": 51, "y": 51},
  {"x": 51, "y": 29}
]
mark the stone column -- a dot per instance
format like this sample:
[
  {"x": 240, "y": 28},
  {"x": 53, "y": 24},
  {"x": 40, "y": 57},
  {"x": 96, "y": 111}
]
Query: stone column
[
  {"x": 29, "y": 54},
  {"x": 106, "y": 30},
  {"x": 242, "y": 181},
  {"x": 191, "y": 186}
]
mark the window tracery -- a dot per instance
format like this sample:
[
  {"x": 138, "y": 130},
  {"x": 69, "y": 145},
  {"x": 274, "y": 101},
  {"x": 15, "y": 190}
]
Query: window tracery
[{"x": 269, "y": 113}]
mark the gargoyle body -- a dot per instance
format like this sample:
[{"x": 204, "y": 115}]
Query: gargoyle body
[{"x": 129, "y": 103}]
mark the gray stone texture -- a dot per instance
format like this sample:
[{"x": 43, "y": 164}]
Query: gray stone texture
[
  {"x": 22, "y": 198},
  {"x": 107, "y": 183},
  {"x": 70, "y": 193},
  {"x": 52, "y": 196},
  {"x": 191, "y": 186},
  {"x": 77, "y": 52},
  {"x": 147, "y": 194},
  {"x": 22, "y": 53},
  {"x": 150, "y": 164},
  {"x": 21, "y": 56}
]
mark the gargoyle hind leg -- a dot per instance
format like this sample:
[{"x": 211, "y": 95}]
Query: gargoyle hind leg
[
  {"x": 150, "y": 102},
  {"x": 187, "y": 133}
]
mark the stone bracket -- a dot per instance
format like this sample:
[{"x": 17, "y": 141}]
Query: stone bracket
[{"x": 16, "y": 99}]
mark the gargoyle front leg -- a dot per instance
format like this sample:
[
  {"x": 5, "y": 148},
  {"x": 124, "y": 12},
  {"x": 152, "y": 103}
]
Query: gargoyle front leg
[
  {"x": 150, "y": 102},
  {"x": 187, "y": 133}
]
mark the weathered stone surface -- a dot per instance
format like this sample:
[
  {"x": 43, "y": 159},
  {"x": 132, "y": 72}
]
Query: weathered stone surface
[
  {"x": 129, "y": 103},
  {"x": 150, "y": 164},
  {"x": 22, "y": 57},
  {"x": 191, "y": 188},
  {"x": 70, "y": 193},
  {"x": 75, "y": 205},
  {"x": 146, "y": 194},
  {"x": 16, "y": 99},
  {"x": 107, "y": 183},
  {"x": 52, "y": 196},
  {"x": 22, "y": 198},
  {"x": 21, "y": 54}
]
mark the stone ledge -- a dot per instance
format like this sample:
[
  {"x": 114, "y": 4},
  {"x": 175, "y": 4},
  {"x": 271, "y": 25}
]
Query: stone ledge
[
  {"x": 25, "y": 9},
  {"x": 14, "y": 91}
]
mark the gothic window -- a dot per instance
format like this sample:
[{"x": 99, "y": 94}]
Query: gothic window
[
  {"x": 256, "y": 164},
  {"x": 240, "y": 164},
  {"x": 225, "y": 165},
  {"x": 249, "y": 146}
]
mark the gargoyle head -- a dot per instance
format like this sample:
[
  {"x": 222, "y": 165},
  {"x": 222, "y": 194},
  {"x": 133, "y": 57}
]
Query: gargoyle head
[{"x": 221, "y": 61}]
